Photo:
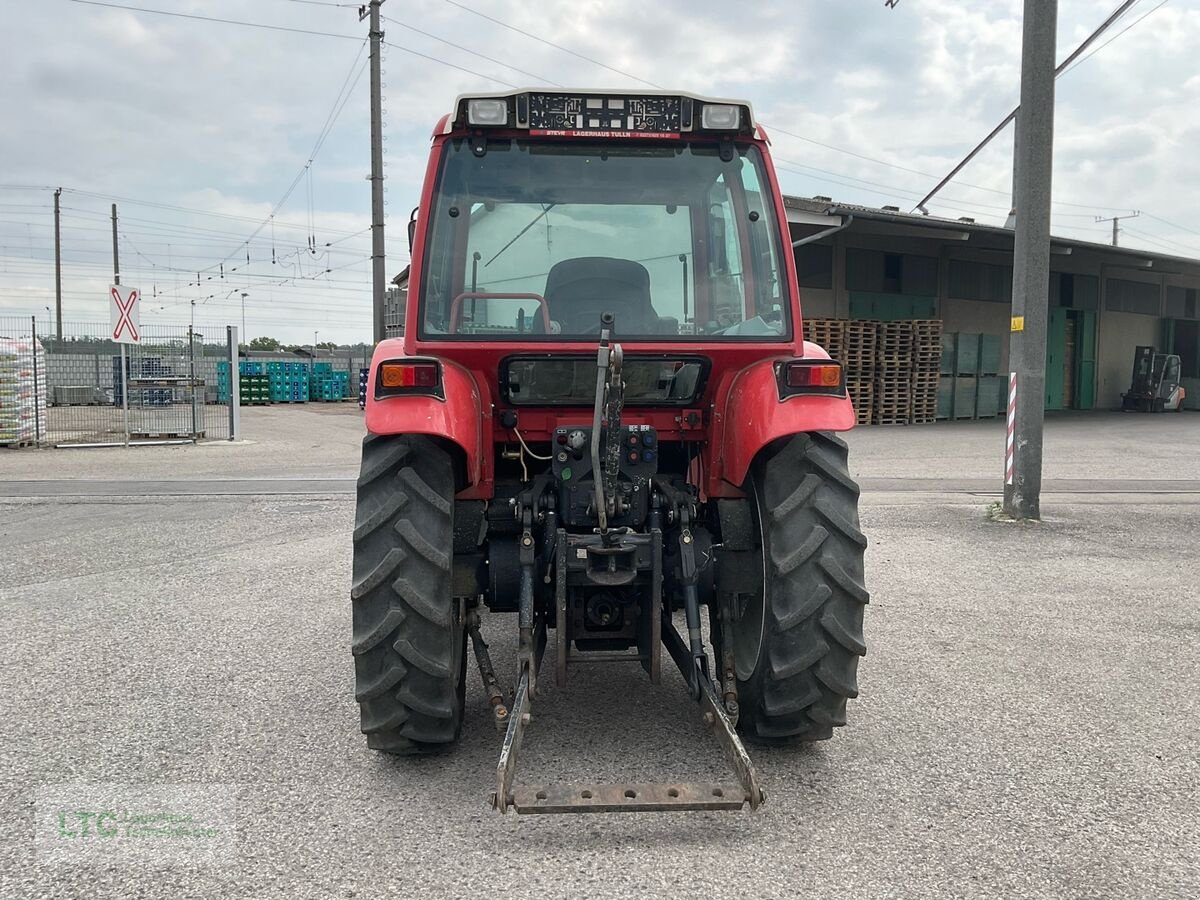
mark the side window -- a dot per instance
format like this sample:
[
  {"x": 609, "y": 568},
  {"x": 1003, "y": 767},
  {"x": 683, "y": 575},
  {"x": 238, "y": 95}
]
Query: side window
[{"x": 768, "y": 286}]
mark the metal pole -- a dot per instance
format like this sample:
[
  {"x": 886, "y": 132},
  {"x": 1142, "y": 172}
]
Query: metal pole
[
  {"x": 235, "y": 383},
  {"x": 378, "y": 263},
  {"x": 244, "y": 296},
  {"x": 58, "y": 265},
  {"x": 124, "y": 373},
  {"x": 192, "y": 367},
  {"x": 1031, "y": 262},
  {"x": 1012, "y": 116}
]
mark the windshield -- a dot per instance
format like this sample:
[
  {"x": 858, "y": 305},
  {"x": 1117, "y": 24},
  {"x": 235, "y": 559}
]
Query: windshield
[{"x": 538, "y": 239}]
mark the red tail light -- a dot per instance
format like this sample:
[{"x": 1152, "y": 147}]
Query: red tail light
[
  {"x": 400, "y": 375},
  {"x": 803, "y": 375},
  {"x": 408, "y": 376},
  {"x": 810, "y": 376}
]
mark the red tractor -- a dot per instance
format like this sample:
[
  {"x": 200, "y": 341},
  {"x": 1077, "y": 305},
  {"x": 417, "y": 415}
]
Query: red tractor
[{"x": 602, "y": 417}]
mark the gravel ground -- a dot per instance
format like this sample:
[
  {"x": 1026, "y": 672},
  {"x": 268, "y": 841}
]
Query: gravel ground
[{"x": 1026, "y": 727}]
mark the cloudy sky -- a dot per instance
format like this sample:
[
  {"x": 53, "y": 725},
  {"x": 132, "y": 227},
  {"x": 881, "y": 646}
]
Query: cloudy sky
[{"x": 198, "y": 129}]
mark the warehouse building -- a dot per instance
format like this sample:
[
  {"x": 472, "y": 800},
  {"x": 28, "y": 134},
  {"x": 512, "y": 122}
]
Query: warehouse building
[{"x": 1104, "y": 301}]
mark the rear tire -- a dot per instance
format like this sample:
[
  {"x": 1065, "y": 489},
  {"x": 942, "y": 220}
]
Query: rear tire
[
  {"x": 797, "y": 653},
  {"x": 409, "y": 640}
]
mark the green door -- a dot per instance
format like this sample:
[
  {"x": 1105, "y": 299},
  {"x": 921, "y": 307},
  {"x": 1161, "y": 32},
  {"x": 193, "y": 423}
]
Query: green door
[
  {"x": 1085, "y": 360},
  {"x": 1056, "y": 352}
]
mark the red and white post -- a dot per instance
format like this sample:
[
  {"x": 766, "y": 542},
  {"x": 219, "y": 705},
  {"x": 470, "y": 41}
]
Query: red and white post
[{"x": 1009, "y": 455}]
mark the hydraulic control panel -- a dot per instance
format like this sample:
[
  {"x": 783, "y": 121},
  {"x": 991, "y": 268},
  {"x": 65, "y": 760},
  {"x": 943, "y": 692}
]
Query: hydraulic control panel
[{"x": 572, "y": 466}]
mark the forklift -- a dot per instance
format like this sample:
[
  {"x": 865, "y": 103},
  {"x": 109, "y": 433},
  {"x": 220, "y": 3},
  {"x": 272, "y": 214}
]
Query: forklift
[{"x": 1156, "y": 383}]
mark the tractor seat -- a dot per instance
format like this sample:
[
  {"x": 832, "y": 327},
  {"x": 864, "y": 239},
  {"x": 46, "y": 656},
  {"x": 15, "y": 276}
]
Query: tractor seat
[{"x": 579, "y": 290}]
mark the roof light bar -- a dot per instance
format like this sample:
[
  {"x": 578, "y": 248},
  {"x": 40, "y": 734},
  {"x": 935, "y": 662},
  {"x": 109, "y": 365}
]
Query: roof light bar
[{"x": 606, "y": 114}]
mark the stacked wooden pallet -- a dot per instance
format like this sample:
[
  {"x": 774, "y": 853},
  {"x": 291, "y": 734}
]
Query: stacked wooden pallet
[
  {"x": 893, "y": 373},
  {"x": 861, "y": 341},
  {"x": 829, "y": 334},
  {"x": 853, "y": 345},
  {"x": 925, "y": 367}
]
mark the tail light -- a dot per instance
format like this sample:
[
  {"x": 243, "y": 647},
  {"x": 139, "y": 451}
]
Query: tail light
[
  {"x": 810, "y": 376},
  {"x": 397, "y": 377}
]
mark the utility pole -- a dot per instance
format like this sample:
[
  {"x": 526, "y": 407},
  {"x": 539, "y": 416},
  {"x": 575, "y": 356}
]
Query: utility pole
[
  {"x": 245, "y": 334},
  {"x": 58, "y": 266},
  {"x": 1116, "y": 223},
  {"x": 1031, "y": 264},
  {"x": 378, "y": 263}
]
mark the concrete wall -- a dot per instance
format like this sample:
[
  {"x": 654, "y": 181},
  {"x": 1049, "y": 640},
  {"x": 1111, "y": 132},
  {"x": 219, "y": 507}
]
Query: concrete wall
[{"x": 1120, "y": 332}]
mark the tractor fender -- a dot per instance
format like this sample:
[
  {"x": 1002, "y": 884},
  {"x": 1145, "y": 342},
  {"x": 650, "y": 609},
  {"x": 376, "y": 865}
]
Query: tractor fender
[
  {"x": 752, "y": 416},
  {"x": 457, "y": 417}
]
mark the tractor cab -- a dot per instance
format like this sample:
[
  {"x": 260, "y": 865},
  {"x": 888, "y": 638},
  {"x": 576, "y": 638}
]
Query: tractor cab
[{"x": 1156, "y": 384}]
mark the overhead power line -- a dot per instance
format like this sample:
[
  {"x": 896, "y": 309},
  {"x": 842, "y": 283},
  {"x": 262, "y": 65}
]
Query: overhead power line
[
  {"x": 1059, "y": 69},
  {"x": 542, "y": 40},
  {"x": 179, "y": 15},
  {"x": 1117, "y": 35},
  {"x": 490, "y": 59}
]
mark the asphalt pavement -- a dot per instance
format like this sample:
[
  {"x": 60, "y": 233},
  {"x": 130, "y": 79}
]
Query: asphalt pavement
[{"x": 1027, "y": 724}]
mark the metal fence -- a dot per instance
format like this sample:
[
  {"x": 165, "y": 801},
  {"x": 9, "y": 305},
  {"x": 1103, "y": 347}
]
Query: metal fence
[{"x": 69, "y": 390}]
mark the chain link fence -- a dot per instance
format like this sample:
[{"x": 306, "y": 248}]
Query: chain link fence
[{"x": 68, "y": 390}]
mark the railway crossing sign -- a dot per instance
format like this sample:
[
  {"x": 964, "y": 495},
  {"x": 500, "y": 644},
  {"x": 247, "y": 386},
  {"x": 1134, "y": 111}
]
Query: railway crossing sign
[{"x": 124, "y": 314}]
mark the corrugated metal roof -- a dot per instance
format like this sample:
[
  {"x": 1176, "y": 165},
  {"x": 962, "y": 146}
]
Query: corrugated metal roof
[{"x": 825, "y": 206}]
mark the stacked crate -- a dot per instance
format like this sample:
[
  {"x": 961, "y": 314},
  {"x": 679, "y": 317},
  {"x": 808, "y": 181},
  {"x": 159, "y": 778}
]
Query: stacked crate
[
  {"x": 925, "y": 368},
  {"x": 971, "y": 387},
  {"x": 254, "y": 390},
  {"x": 328, "y": 385},
  {"x": 862, "y": 338},
  {"x": 893, "y": 377},
  {"x": 253, "y": 383},
  {"x": 363, "y": 375},
  {"x": 288, "y": 382},
  {"x": 991, "y": 398}
]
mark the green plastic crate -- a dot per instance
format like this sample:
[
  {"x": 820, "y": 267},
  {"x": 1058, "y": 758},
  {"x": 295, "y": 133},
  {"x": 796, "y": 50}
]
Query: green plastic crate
[
  {"x": 945, "y": 397},
  {"x": 965, "y": 391},
  {"x": 966, "y": 353},
  {"x": 989, "y": 354},
  {"x": 990, "y": 397}
]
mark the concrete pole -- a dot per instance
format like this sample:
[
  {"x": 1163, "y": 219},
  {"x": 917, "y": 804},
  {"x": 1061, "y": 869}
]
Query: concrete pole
[
  {"x": 1031, "y": 263},
  {"x": 378, "y": 263},
  {"x": 58, "y": 267}
]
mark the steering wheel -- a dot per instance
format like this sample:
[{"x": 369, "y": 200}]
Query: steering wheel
[{"x": 456, "y": 305}]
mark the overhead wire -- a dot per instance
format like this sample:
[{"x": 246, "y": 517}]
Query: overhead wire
[
  {"x": 490, "y": 59},
  {"x": 542, "y": 40},
  {"x": 1079, "y": 62}
]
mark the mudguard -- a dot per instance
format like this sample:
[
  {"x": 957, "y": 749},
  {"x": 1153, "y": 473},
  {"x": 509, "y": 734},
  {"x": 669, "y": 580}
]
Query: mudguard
[
  {"x": 754, "y": 416},
  {"x": 458, "y": 417}
]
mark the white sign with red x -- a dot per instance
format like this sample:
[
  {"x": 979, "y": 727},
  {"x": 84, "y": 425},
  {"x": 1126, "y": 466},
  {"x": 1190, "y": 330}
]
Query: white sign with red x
[{"x": 124, "y": 314}]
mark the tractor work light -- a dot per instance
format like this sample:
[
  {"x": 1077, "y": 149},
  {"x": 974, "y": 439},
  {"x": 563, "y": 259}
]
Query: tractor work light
[
  {"x": 720, "y": 117},
  {"x": 810, "y": 376},
  {"x": 487, "y": 111},
  {"x": 398, "y": 377}
]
